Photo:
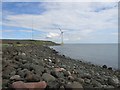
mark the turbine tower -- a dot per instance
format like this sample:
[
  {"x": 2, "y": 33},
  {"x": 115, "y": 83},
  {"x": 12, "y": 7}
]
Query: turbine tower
[
  {"x": 32, "y": 30},
  {"x": 61, "y": 34}
]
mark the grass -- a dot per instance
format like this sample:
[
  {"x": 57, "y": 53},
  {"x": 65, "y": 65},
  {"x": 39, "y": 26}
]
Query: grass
[
  {"x": 5, "y": 45},
  {"x": 27, "y": 42}
]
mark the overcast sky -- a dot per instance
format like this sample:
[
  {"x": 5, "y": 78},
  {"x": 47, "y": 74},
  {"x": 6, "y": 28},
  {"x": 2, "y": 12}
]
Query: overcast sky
[{"x": 81, "y": 22}]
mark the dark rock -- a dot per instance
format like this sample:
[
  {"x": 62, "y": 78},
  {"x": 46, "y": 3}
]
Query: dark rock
[
  {"x": 17, "y": 58},
  {"x": 23, "y": 72},
  {"x": 87, "y": 81},
  {"x": 110, "y": 68},
  {"x": 66, "y": 73},
  {"x": 71, "y": 78},
  {"x": 38, "y": 69},
  {"x": 30, "y": 77},
  {"x": 104, "y": 66},
  {"x": 13, "y": 73},
  {"x": 24, "y": 61},
  {"x": 27, "y": 66},
  {"x": 62, "y": 81},
  {"x": 17, "y": 42},
  {"x": 57, "y": 74},
  {"x": 54, "y": 85},
  {"x": 5, "y": 82},
  {"x": 5, "y": 76},
  {"x": 7, "y": 71}
]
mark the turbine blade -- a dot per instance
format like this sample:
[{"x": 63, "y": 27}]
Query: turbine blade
[{"x": 60, "y": 30}]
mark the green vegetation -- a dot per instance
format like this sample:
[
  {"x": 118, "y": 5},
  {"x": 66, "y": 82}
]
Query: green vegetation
[{"x": 6, "y": 42}]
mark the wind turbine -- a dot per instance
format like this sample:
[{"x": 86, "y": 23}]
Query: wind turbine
[{"x": 61, "y": 34}]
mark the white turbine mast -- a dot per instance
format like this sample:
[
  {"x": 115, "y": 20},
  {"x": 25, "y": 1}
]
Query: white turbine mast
[
  {"x": 32, "y": 28},
  {"x": 61, "y": 34}
]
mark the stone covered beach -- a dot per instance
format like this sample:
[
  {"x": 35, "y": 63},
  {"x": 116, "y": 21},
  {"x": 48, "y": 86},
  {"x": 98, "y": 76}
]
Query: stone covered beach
[{"x": 35, "y": 65}]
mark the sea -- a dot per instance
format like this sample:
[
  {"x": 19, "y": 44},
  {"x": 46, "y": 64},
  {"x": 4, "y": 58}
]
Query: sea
[{"x": 100, "y": 54}]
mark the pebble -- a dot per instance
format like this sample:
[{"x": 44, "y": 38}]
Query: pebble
[{"x": 49, "y": 60}]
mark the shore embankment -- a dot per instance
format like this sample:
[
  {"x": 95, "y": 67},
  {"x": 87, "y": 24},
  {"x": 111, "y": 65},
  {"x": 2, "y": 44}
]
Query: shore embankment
[{"x": 35, "y": 63}]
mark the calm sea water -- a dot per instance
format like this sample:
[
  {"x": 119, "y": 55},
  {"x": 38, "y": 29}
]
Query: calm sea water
[{"x": 101, "y": 54}]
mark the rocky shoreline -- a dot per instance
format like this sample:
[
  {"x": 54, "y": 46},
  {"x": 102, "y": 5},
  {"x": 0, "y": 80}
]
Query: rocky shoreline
[{"x": 34, "y": 64}]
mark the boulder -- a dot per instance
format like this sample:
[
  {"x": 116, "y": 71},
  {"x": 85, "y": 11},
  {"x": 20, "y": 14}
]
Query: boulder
[
  {"x": 110, "y": 68},
  {"x": 7, "y": 71},
  {"x": 59, "y": 69},
  {"x": 66, "y": 73},
  {"x": 86, "y": 75},
  {"x": 57, "y": 74},
  {"x": 36, "y": 85},
  {"x": 5, "y": 82},
  {"x": 19, "y": 85},
  {"x": 30, "y": 77},
  {"x": 23, "y": 72},
  {"x": 73, "y": 86},
  {"x": 54, "y": 85},
  {"x": 96, "y": 84},
  {"x": 48, "y": 78},
  {"x": 113, "y": 81},
  {"x": 13, "y": 73},
  {"x": 104, "y": 66},
  {"x": 24, "y": 61},
  {"x": 15, "y": 77},
  {"x": 29, "y": 86},
  {"x": 77, "y": 85},
  {"x": 87, "y": 81},
  {"x": 71, "y": 78},
  {"x": 80, "y": 80}
]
